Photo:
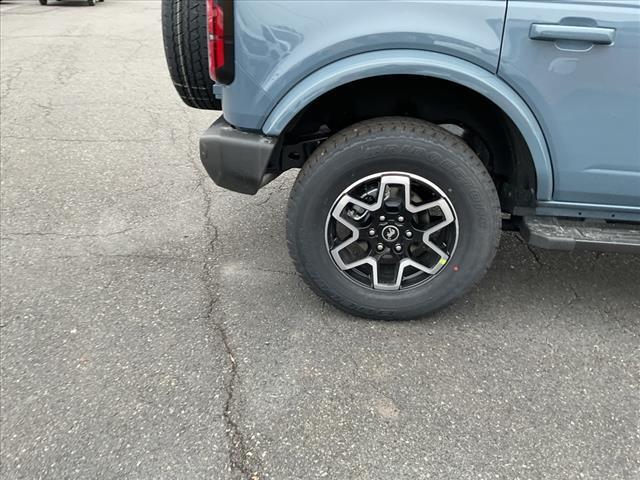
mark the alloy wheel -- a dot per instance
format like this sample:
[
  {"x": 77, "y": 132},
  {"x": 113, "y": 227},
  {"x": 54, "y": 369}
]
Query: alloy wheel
[{"x": 392, "y": 231}]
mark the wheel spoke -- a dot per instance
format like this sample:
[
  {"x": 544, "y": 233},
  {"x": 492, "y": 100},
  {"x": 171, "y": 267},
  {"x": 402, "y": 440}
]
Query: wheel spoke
[
  {"x": 355, "y": 233},
  {"x": 449, "y": 218},
  {"x": 378, "y": 285},
  {"x": 402, "y": 266}
]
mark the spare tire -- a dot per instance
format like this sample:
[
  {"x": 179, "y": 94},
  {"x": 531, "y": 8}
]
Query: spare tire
[{"x": 184, "y": 30}]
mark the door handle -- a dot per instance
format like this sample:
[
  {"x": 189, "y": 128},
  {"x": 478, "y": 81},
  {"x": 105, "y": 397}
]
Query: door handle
[{"x": 555, "y": 32}]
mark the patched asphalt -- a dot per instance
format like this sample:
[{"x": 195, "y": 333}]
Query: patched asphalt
[{"x": 152, "y": 325}]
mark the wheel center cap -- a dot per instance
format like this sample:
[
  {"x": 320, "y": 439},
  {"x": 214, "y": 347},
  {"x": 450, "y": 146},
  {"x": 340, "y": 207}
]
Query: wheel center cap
[{"x": 390, "y": 233}]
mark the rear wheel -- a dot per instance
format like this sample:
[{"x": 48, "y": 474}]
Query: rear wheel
[
  {"x": 393, "y": 219},
  {"x": 43, "y": 2},
  {"x": 184, "y": 29},
  {"x": 91, "y": 3}
]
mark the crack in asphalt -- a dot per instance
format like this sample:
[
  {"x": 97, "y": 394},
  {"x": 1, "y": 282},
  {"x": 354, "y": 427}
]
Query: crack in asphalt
[
  {"x": 8, "y": 79},
  {"x": 534, "y": 254},
  {"x": 64, "y": 235},
  {"x": 126, "y": 255},
  {"x": 278, "y": 189},
  {"x": 82, "y": 140},
  {"x": 576, "y": 296},
  {"x": 241, "y": 461}
]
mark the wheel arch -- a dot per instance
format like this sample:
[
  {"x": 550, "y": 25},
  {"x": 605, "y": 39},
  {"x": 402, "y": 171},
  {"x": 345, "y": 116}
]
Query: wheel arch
[{"x": 424, "y": 64}]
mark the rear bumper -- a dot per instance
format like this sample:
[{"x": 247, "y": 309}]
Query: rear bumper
[{"x": 234, "y": 159}]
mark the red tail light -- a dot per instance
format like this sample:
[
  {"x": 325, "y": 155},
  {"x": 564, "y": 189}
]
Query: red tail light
[
  {"x": 220, "y": 36},
  {"x": 215, "y": 27}
]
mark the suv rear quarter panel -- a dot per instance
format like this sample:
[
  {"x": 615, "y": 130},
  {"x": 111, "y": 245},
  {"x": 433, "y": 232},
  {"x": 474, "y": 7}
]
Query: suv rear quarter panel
[{"x": 279, "y": 43}]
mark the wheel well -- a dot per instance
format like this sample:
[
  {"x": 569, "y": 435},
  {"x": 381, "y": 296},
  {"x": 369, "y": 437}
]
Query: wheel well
[{"x": 460, "y": 110}]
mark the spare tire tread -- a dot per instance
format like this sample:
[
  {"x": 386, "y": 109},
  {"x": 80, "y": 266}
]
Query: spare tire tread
[{"x": 184, "y": 29}]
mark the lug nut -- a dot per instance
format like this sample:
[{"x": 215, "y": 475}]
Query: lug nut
[
  {"x": 382, "y": 218},
  {"x": 409, "y": 233},
  {"x": 401, "y": 219},
  {"x": 398, "y": 248},
  {"x": 380, "y": 247},
  {"x": 372, "y": 232}
]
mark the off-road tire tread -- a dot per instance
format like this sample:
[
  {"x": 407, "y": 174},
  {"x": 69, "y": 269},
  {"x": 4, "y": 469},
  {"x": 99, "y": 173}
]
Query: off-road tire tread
[
  {"x": 383, "y": 127},
  {"x": 184, "y": 29}
]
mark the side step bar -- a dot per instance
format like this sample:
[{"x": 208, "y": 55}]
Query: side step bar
[{"x": 568, "y": 234}]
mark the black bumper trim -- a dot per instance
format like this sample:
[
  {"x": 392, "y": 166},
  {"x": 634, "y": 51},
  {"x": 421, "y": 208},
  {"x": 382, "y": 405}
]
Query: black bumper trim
[{"x": 234, "y": 159}]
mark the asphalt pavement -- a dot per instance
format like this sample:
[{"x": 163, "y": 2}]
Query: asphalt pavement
[{"x": 152, "y": 325}]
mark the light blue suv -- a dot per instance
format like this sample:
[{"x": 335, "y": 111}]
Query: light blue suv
[{"x": 421, "y": 129}]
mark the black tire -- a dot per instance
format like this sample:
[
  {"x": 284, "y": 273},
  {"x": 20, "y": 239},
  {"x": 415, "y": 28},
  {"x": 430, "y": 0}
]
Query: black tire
[
  {"x": 400, "y": 145},
  {"x": 184, "y": 29},
  {"x": 43, "y": 2},
  {"x": 91, "y": 3}
]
